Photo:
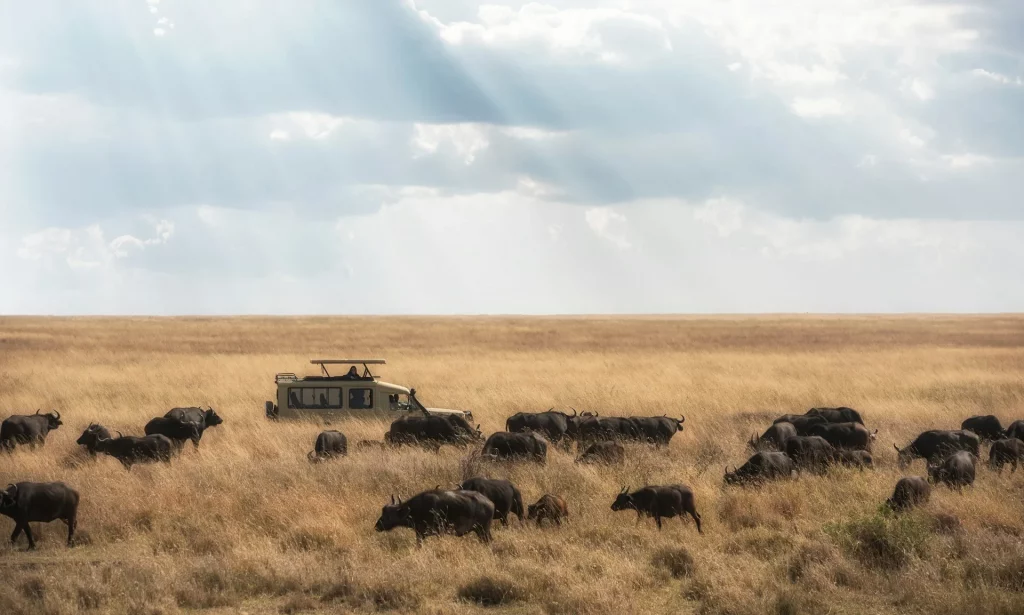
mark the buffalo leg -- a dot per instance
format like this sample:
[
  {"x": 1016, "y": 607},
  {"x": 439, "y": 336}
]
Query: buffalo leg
[
  {"x": 696, "y": 519},
  {"x": 28, "y": 533},
  {"x": 17, "y": 532},
  {"x": 72, "y": 524},
  {"x": 657, "y": 520}
]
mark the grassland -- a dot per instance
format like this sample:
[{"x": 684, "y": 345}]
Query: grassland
[{"x": 245, "y": 524}]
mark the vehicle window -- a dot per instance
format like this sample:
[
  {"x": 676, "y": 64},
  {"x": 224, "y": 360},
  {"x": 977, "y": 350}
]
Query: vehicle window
[
  {"x": 314, "y": 398},
  {"x": 334, "y": 398},
  {"x": 295, "y": 397},
  {"x": 360, "y": 399}
]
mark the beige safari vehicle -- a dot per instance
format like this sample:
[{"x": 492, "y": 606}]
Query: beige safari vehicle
[{"x": 353, "y": 393}]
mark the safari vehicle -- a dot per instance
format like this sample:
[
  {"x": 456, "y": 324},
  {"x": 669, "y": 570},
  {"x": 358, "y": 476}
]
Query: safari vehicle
[{"x": 351, "y": 394}]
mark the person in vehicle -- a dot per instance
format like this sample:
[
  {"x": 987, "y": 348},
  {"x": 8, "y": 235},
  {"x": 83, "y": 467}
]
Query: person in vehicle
[{"x": 353, "y": 374}]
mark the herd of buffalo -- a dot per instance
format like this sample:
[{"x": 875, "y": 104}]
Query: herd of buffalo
[{"x": 794, "y": 443}]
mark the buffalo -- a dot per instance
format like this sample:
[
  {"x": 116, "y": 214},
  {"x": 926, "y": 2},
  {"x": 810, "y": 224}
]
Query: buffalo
[
  {"x": 130, "y": 450},
  {"x": 1015, "y": 430},
  {"x": 608, "y": 452},
  {"x": 557, "y": 427},
  {"x": 837, "y": 415},
  {"x": 811, "y": 453},
  {"x": 657, "y": 430},
  {"x": 774, "y": 438},
  {"x": 550, "y": 507},
  {"x": 659, "y": 502},
  {"x": 937, "y": 444},
  {"x": 208, "y": 417},
  {"x": 845, "y": 435},
  {"x": 176, "y": 430},
  {"x": 90, "y": 436},
  {"x": 28, "y": 429},
  {"x": 330, "y": 443},
  {"x": 437, "y": 512},
  {"x": 762, "y": 466},
  {"x": 597, "y": 428},
  {"x": 956, "y": 470},
  {"x": 803, "y": 423},
  {"x": 39, "y": 503},
  {"x": 1007, "y": 450},
  {"x": 910, "y": 491},
  {"x": 987, "y": 427},
  {"x": 502, "y": 493},
  {"x": 430, "y": 431},
  {"x": 505, "y": 445},
  {"x": 853, "y": 458}
]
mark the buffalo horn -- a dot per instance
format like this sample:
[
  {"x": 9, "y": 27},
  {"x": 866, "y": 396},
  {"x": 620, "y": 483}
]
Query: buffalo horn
[
  {"x": 896, "y": 447},
  {"x": 392, "y": 498},
  {"x": 37, "y": 410},
  {"x": 573, "y": 410},
  {"x": 57, "y": 413},
  {"x": 119, "y": 434}
]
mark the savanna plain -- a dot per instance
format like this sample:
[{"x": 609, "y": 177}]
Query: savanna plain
[{"x": 246, "y": 524}]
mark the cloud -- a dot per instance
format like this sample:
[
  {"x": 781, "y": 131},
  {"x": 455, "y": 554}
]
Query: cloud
[
  {"x": 87, "y": 248},
  {"x": 608, "y": 224},
  {"x": 817, "y": 107}
]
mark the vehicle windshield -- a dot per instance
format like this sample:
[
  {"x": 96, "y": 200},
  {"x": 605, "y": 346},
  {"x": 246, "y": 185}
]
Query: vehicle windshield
[{"x": 400, "y": 401}]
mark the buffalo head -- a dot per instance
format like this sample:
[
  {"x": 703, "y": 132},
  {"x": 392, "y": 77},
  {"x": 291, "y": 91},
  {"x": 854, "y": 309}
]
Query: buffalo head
[
  {"x": 52, "y": 419},
  {"x": 8, "y": 497},
  {"x": 903, "y": 457},
  {"x": 393, "y": 515},
  {"x": 623, "y": 501},
  {"x": 211, "y": 417}
]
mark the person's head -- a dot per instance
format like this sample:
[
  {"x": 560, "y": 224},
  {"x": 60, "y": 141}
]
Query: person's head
[{"x": 352, "y": 370}]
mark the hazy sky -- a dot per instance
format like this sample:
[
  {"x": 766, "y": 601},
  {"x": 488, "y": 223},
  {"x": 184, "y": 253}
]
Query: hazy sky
[{"x": 443, "y": 156}]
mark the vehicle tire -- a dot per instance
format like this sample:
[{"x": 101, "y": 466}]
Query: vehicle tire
[{"x": 271, "y": 409}]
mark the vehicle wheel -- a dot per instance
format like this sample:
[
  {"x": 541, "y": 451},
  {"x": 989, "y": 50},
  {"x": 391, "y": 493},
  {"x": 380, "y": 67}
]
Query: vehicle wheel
[{"x": 271, "y": 409}]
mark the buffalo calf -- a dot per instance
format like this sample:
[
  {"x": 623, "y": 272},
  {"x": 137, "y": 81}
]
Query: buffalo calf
[
  {"x": 550, "y": 507},
  {"x": 1005, "y": 451},
  {"x": 956, "y": 470},
  {"x": 40, "y": 503},
  {"x": 659, "y": 502},
  {"x": 763, "y": 466},
  {"x": 330, "y": 443},
  {"x": 910, "y": 491}
]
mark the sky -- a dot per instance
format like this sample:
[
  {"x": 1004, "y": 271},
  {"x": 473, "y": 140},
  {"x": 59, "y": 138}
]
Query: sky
[{"x": 453, "y": 157}]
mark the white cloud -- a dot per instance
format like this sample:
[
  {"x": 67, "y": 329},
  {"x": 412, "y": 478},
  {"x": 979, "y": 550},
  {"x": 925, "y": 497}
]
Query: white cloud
[
  {"x": 86, "y": 248},
  {"x": 817, "y": 107},
  {"x": 920, "y": 89},
  {"x": 725, "y": 215},
  {"x": 608, "y": 224},
  {"x": 997, "y": 77},
  {"x": 465, "y": 140},
  {"x": 279, "y": 135},
  {"x": 966, "y": 160}
]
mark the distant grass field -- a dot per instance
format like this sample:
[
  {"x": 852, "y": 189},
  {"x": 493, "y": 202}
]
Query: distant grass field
[{"x": 246, "y": 524}]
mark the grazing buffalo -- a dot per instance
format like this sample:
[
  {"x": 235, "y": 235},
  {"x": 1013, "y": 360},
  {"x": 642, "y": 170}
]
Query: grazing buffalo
[
  {"x": 502, "y": 493},
  {"x": 1007, "y": 450},
  {"x": 801, "y": 422},
  {"x": 837, "y": 415},
  {"x": 28, "y": 429},
  {"x": 609, "y": 452},
  {"x": 597, "y": 428},
  {"x": 39, "y": 503},
  {"x": 462, "y": 426},
  {"x": 762, "y": 466},
  {"x": 176, "y": 430},
  {"x": 852, "y": 458},
  {"x": 1015, "y": 430},
  {"x": 937, "y": 444},
  {"x": 557, "y": 427},
  {"x": 659, "y": 502},
  {"x": 91, "y": 435},
  {"x": 910, "y": 491},
  {"x": 774, "y": 438},
  {"x": 437, "y": 512},
  {"x": 845, "y": 435},
  {"x": 430, "y": 431},
  {"x": 987, "y": 427},
  {"x": 956, "y": 470},
  {"x": 812, "y": 453},
  {"x": 551, "y": 507},
  {"x": 512, "y": 446},
  {"x": 130, "y": 450},
  {"x": 330, "y": 443},
  {"x": 657, "y": 430}
]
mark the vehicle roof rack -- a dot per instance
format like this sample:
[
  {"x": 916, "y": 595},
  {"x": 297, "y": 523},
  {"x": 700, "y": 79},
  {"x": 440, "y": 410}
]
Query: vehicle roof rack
[{"x": 323, "y": 363}]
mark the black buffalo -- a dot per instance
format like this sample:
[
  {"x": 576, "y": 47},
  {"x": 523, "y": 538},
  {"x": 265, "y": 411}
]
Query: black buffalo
[
  {"x": 557, "y": 427},
  {"x": 910, "y": 491},
  {"x": 810, "y": 452},
  {"x": 937, "y": 444},
  {"x": 1015, "y": 430},
  {"x": 597, "y": 428},
  {"x": 552, "y": 507},
  {"x": 803, "y": 423},
  {"x": 659, "y": 501},
  {"x": 130, "y": 450},
  {"x": 987, "y": 427},
  {"x": 762, "y": 466},
  {"x": 603, "y": 452},
  {"x": 845, "y": 435},
  {"x": 658, "y": 430},
  {"x": 502, "y": 493},
  {"x": 438, "y": 511},
  {"x": 1007, "y": 450},
  {"x": 853, "y": 458},
  {"x": 28, "y": 429},
  {"x": 208, "y": 417},
  {"x": 330, "y": 443},
  {"x": 505, "y": 445},
  {"x": 176, "y": 430},
  {"x": 773, "y": 438},
  {"x": 841, "y": 414},
  {"x": 956, "y": 470},
  {"x": 39, "y": 503},
  {"x": 430, "y": 431},
  {"x": 91, "y": 434}
]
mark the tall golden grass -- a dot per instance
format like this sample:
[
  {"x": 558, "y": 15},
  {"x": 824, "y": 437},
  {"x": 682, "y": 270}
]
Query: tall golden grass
[{"x": 246, "y": 524}]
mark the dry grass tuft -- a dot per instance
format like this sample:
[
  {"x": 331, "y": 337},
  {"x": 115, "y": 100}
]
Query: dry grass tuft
[{"x": 246, "y": 524}]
